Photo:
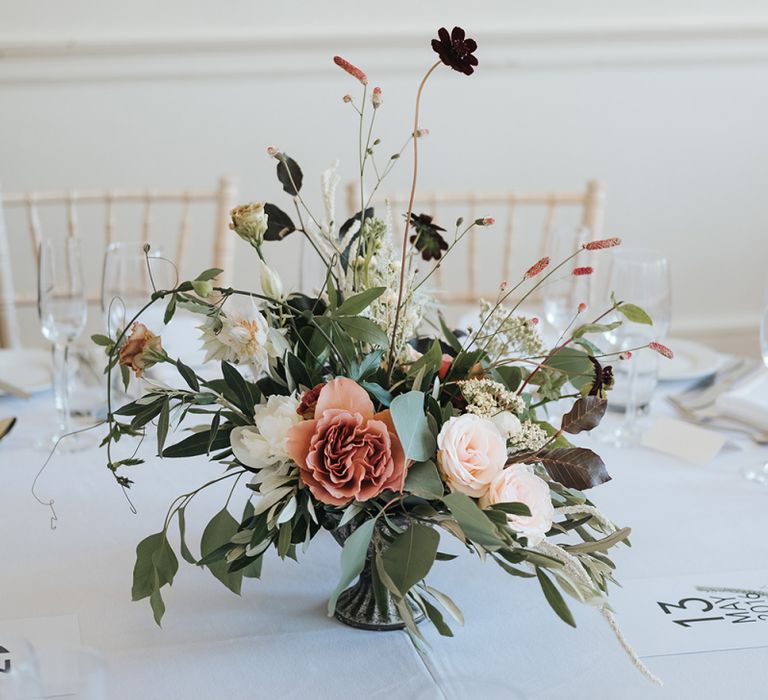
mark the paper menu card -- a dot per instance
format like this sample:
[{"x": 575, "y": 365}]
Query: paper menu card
[{"x": 694, "y": 613}]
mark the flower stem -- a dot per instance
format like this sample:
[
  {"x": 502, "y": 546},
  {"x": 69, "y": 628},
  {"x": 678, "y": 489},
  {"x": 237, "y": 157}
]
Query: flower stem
[{"x": 393, "y": 342}]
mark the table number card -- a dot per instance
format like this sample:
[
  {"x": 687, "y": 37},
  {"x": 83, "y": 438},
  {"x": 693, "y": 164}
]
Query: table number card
[{"x": 697, "y": 613}]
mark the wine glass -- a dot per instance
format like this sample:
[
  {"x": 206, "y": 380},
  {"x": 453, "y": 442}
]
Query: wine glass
[
  {"x": 128, "y": 275},
  {"x": 759, "y": 472},
  {"x": 63, "y": 311},
  {"x": 564, "y": 293},
  {"x": 640, "y": 277}
]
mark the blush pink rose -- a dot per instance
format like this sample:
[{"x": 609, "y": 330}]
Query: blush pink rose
[
  {"x": 518, "y": 484},
  {"x": 346, "y": 451}
]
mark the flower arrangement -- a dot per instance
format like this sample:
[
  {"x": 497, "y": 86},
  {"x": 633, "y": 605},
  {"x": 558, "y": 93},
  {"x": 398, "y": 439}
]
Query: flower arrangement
[{"x": 344, "y": 415}]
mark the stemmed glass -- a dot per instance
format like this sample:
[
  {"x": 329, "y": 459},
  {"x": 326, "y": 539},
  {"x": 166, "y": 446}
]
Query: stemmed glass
[
  {"x": 759, "y": 472},
  {"x": 564, "y": 293},
  {"x": 641, "y": 277},
  {"x": 63, "y": 311}
]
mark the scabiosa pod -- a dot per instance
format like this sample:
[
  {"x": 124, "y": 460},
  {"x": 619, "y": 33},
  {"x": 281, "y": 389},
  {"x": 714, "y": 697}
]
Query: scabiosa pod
[
  {"x": 376, "y": 99},
  {"x": 581, "y": 271},
  {"x": 661, "y": 349},
  {"x": 536, "y": 268},
  {"x": 602, "y": 244},
  {"x": 354, "y": 71}
]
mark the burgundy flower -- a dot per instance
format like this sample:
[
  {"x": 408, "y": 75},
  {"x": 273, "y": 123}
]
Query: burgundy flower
[
  {"x": 308, "y": 403},
  {"x": 427, "y": 238},
  {"x": 455, "y": 50}
]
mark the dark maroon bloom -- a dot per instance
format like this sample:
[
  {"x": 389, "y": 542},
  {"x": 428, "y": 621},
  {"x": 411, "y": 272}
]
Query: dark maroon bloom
[
  {"x": 427, "y": 238},
  {"x": 603, "y": 379},
  {"x": 455, "y": 50}
]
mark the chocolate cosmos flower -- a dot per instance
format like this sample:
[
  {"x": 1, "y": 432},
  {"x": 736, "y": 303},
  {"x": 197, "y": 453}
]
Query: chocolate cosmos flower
[
  {"x": 427, "y": 238},
  {"x": 455, "y": 50},
  {"x": 603, "y": 379}
]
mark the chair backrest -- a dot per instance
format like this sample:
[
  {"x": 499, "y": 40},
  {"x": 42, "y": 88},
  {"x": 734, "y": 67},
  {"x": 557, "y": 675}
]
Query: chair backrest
[
  {"x": 146, "y": 207},
  {"x": 525, "y": 223}
]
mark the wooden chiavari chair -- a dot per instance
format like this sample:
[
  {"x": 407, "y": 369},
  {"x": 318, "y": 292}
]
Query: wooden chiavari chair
[{"x": 109, "y": 202}]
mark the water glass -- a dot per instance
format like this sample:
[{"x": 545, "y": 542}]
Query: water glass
[
  {"x": 63, "y": 311},
  {"x": 641, "y": 277},
  {"x": 563, "y": 293}
]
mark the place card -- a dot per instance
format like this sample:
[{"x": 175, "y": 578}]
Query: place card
[
  {"x": 694, "y": 613},
  {"x": 683, "y": 440},
  {"x": 31, "y": 645}
]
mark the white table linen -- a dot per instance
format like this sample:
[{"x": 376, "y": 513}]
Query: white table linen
[{"x": 275, "y": 641}]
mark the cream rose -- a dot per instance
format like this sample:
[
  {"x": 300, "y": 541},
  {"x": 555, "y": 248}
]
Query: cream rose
[
  {"x": 250, "y": 222},
  {"x": 508, "y": 424},
  {"x": 518, "y": 484},
  {"x": 266, "y": 442},
  {"x": 471, "y": 453}
]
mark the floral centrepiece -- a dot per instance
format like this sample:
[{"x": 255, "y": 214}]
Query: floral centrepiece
[{"x": 342, "y": 410}]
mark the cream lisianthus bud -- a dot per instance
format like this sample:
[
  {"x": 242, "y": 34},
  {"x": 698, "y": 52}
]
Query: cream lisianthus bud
[
  {"x": 271, "y": 284},
  {"x": 250, "y": 222}
]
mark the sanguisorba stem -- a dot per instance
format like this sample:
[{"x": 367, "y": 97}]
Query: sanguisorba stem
[{"x": 408, "y": 214}]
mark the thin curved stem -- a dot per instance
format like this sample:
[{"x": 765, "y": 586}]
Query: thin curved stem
[{"x": 408, "y": 214}]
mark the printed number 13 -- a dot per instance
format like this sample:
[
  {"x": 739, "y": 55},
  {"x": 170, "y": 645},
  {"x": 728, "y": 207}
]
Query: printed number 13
[{"x": 683, "y": 605}]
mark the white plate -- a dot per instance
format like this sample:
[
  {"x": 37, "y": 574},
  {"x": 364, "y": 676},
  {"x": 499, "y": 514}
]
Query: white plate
[
  {"x": 691, "y": 361},
  {"x": 29, "y": 370}
]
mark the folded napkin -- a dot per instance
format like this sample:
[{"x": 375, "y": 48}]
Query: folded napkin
[{"x": 748, "y": 402}]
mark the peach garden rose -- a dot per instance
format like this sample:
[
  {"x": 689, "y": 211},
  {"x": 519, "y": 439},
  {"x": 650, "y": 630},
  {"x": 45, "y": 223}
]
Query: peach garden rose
[
  {"x": 142, "y": 349},
  {"x": 345, "y": 451}
]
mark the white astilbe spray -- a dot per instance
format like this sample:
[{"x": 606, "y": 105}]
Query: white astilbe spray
[
  {"x": 329, "y": 181},
  {"x": 487, "y": 397},
  {"x": 531, "y": 437},
  {"x": 506, "y": 335},
  {"x": 576, "y": 570}
]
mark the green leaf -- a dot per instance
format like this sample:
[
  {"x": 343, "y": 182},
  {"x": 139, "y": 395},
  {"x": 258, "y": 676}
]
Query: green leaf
[
  {"x": 359, "y": 302},
  {"x": 424, "y": 481},
  {"x": 290, "y": 175},
  {"x": 378, "y": 392},
  {"x": 217, "y": 533},
  {"x": 214, "y": 430},
  {"x": 188, "y": 375},
  {"x": 103, "y": 340},
  {"x": 554, "y": 598},
  {"x": 513, "y": 508},
  {"x": 410, "y": 556},
  {"x": 412, "y": 427},
  {"x": 586, "y": 414},
  {"x": 170, "y": 310},
  {"x": 510, "y": 376},
  {"x": 602, "y": 545},
  {"x": 186, "y": 555},
  {"x": 369, "y": 365},
  {"x": 209, "y": 274},
  {"x": 595, "y": 328},
  {"x": 436, "y": 618},
  {"x": 144, "y": 576},
  {"x": 158, "y": 606},
  {"x": 236, "y": 382},
  {"x": 449, "y": 335},
  {"x": 447, "y": 603},
  {"x": 363, "y": 329},
  {"x": 162, "y": 425},
  {"x": 635, "y": 314},
  {"x": 474, "y": 523},
  {"x": 197, "y": 443},
  {"x": 202, "y": 288},
  {"x": 279, "y": 224},
  {"x": 353, "y": 557},
  {"x": 165, "y": 562},
  {"x": 574, "y": 363},
  {"x": 430, "y": 361}
]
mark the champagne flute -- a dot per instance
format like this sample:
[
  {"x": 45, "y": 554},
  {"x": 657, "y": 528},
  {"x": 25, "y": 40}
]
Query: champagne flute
[
  {"x": 759, "y": 472},
  {"x": 63, "y": 311},
  {"x": 641, "y": 277}
]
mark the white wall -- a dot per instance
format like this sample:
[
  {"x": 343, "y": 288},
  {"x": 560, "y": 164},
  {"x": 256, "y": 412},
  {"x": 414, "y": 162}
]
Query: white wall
[{"x": 664, "y": 101}]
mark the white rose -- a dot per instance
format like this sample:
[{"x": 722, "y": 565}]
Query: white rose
[
  {"x": 471, "y": 453},
  {"x": 508, "y": 424},
  {"x": 264, "y": 443},
  {"x": 250, "y": 222},
  {"x": 518, "y": 484}
]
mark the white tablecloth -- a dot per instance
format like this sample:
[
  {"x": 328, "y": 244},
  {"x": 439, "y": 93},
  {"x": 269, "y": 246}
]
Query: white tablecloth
[{"x": 276, "y": 640}]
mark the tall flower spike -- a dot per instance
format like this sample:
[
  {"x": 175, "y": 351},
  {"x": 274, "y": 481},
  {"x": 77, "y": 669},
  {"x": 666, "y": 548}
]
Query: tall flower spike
[
  {"x": 354, "y": 71},
  {"x": 661, "y": 349},
  {"x": 581, "y": 271},
  {"x": 534, "y": 270},
  {"x": 455, "y": 50},
  {"x": 602, "y": 244},
  {"x": 376, "y": 98}
]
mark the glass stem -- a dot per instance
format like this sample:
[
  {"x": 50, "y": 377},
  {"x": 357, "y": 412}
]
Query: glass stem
[
  {"x": 630, "y": 409},
  {"x": 61, "y": 386}
]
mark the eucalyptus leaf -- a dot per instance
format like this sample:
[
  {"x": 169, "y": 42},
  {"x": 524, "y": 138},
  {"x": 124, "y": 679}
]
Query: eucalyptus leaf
[
  {"x": 554, "y": 598},
  {"x": 353, "y": 556},
  {"x": 424, "y": 481},
  {"x": 474, "y": 523},
  {"x": 411, "y": 425},
  {"x": 410, "y": 556},
  {"x": 218, "y": 532}
]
